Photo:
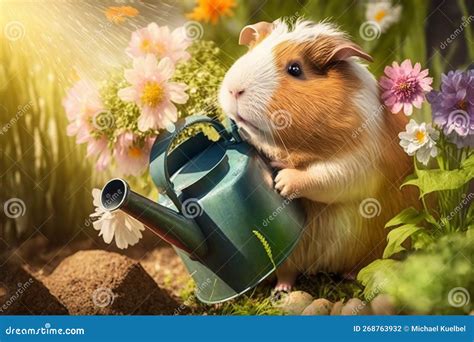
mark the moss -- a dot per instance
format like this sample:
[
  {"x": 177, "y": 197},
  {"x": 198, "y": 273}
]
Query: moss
[
  {"x": 203, "y": 74},
  {"x": 330, "y": 286},
  {"x": 260, "y": 301},
  {"x": 438, "y": 280}
]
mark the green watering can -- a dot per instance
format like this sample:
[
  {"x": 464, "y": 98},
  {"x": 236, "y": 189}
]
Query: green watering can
[{"x": 218, "y": 209}]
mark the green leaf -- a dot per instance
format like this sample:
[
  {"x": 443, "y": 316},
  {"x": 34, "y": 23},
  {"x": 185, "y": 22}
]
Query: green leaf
[
  {"x": 439, "y": 180},
  {"x": 408, "y": 215},
  {"x": 376, "y": 276},
  {"x": 468, "y": 163},
  {"x": 470, "y": 214},
  {"x": 421, "y": 240},
  {"x": 397, "y": 236}
]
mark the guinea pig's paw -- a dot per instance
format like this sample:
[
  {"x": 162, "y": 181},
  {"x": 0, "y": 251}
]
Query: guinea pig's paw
[{"x": 288, "y": 182}]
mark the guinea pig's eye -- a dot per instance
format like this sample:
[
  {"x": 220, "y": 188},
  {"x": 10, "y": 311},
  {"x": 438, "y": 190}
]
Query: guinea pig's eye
[{"x": 294, "y": 69}]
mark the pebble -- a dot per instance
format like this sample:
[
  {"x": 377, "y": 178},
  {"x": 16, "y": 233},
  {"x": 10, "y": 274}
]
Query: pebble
[
  {"x": 295, "y": 302},
  {"x": 319, "y": 307},
  {"x": 382, "y": 305},
  {"x": 336, "y": 308},
  {"x": 355, "y": 306}
]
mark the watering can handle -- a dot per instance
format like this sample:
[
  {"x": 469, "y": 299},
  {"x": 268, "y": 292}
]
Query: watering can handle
[{"x": 161, "y": 148}]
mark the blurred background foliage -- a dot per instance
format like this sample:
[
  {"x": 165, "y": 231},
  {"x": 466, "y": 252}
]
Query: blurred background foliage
[{"x": 64, "y": 41}]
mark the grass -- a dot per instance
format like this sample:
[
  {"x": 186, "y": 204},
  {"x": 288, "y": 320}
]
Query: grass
[{"x": 41, "y": 166}]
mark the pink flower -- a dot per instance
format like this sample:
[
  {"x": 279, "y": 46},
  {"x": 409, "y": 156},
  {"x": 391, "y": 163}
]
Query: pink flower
[
  {"x": 98, "y": 147},
  {"x": 81, "y": 104},
  {"x": 152, "y": 92},
  {"x": 160, "y": 42},
  {"x": 405, "y": 86},
  {"x": 132, "y": 159}
]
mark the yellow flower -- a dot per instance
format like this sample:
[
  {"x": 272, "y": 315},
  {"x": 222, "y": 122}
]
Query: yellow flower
[
  {"x": 117, "y": 15},
  {"x": 211, "y": 10}
]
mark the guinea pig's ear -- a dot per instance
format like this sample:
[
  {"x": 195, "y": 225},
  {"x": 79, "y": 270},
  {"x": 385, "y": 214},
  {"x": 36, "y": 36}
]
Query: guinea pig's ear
[
  {"x": 346, "y": 50},
  {"x": 252, "y": 34}
]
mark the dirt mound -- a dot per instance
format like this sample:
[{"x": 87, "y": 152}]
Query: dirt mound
[
  {"x": 23, "y": 294},
  {"x": 100, "y": 282}
]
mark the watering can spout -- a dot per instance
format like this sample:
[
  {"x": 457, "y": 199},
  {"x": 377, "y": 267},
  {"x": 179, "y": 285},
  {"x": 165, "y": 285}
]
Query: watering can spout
[{"x": 171, "y": 226}]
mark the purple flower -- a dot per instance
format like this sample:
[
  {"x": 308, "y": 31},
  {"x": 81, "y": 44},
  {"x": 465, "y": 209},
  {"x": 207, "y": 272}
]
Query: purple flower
[{"x": 453, "y": 107}]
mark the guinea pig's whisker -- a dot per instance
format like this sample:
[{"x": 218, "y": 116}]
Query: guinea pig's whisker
[{"x": 283, "y": 143}]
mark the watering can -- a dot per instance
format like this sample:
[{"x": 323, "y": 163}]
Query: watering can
[{"x": 217, "y": 208}]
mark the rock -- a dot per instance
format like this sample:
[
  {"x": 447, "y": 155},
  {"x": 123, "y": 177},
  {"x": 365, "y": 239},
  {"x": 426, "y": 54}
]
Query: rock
[
  {"x": 336, "y": 308},
  {"x": 100, "y": 282},
  {"x": 382, "y": 305},
  {"x": 318, "y": 307},
  {"x": 23, "y": 294},
  {"x": 355, "y": 306},
  {"x": 471, "y": 313},
  {"x": 295, "y": 302}
]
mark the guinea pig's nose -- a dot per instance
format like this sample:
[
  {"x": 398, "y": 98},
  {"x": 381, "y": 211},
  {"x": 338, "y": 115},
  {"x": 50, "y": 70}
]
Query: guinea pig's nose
[{"x": 236, "y": 92}]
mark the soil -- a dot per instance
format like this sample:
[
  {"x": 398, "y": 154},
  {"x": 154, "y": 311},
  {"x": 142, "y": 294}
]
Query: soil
[
  {"x": 100, "y": 282},
  {"x": 23, "y": 294},
  {"x": 89, "y": 277}
]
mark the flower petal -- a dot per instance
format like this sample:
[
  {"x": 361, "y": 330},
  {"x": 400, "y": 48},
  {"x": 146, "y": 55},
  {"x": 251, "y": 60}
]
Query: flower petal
[{"x": 177, "y": 92}]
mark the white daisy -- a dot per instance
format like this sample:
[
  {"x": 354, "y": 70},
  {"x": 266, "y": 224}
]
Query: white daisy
[
  {"x": 110, "y": 224},
  {"x": 383, "y": 13},
  {"x": 419, "y": 140}
]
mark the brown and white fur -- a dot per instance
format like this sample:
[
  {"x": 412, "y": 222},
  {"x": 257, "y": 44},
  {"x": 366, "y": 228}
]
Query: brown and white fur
[{"x": 327, "y": 131}]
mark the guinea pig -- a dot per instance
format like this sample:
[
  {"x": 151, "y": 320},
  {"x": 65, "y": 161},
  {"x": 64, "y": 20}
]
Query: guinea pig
[{"x": 307, "y": 102}]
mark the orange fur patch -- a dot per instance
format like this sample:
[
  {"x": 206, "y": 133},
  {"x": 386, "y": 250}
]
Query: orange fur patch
[
  {"x": 337, "y": 238},
  {"x": 323, "y": 115}
]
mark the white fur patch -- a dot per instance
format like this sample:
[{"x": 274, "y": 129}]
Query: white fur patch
[{"x": 255, "y": 73}]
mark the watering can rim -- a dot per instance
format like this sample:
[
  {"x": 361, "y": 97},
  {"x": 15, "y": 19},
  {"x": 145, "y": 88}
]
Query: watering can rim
[{"x": 124, "y": 196}]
